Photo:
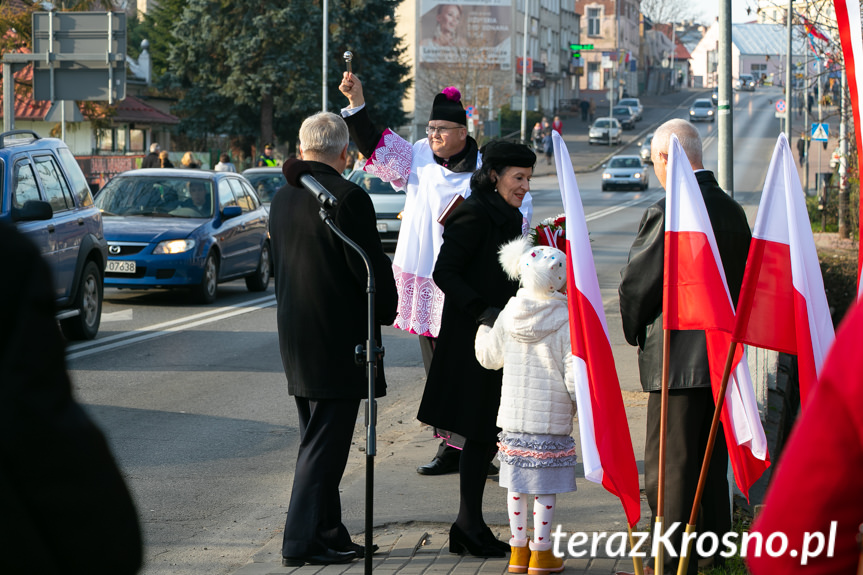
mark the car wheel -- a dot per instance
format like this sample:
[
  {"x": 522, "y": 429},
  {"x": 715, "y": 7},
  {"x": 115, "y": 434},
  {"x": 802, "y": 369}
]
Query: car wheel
[
  {"x": 259, "y": 280},
  {"x": 205, "y": 292},
  {"x": 88, "y": 302}
]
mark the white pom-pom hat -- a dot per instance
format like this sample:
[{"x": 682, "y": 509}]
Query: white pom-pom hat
[{"x": 541, "y": 269}]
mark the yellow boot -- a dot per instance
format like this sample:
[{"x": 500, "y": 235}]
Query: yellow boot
[
  {"x": 519, "y": 557},
  {"x": 544, "y": 562}
]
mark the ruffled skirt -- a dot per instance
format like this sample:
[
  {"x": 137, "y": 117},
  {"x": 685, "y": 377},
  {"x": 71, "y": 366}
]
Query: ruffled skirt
[{"x": 536, "y": 464}]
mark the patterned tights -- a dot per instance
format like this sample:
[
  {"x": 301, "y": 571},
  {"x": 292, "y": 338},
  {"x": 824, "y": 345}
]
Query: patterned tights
[{"x": 543, "y": 513}]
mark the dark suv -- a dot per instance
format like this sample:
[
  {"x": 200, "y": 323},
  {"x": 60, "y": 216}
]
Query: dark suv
[{"x": 44, "y": 192}]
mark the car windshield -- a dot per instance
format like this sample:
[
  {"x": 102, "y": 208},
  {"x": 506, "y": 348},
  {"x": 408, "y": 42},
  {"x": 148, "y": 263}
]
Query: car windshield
[
  {"x": 621, "y": 111},
  {"x": 266, "y": 184},
  {"x": 624, "y": 163},
  {"x": 600, "y": 124},
  {"x": 703, "y": 104},
  {"x": 157, "y": 197},
  {"x": 632, "y": 103},
  {"x": 371, "y": 184}
]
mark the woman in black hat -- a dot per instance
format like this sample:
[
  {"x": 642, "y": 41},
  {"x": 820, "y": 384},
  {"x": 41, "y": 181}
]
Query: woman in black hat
[{"x": 460, "y": 395}]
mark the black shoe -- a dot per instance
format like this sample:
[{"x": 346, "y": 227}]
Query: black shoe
[
  {"x": 360, "y": 550},
  {"x": 489, "y": 540},
  {"x": 328, "y": 557},
  {"x": 461, "y": 543},
  {"x": 439, "y": 466}
]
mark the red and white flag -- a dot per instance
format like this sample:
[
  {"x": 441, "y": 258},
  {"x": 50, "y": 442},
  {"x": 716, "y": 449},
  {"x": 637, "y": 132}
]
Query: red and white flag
[
  {"x": 605, "y": 441},
  {"x": 782, "y": 303},
  {"x": 696, "y": 296},
  {"x": 851, "y": 35}
]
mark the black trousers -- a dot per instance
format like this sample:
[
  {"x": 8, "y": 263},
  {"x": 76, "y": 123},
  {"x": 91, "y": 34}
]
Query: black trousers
[
  {"x": 314, "y": 521},
  {"x": 451, "y": 443},
  {"x": 690, "y": 412}
]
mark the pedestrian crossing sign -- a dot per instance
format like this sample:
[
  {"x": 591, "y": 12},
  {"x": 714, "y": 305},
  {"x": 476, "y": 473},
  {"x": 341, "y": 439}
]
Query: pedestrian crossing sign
[{"x": 820, "y": 132}]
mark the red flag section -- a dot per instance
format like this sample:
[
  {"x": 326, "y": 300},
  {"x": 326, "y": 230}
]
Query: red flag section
[
  {"x": 606, "y": 444},
  {"x": 782, "y": 303},
  {"x": 851, "y": 35},
  {"x": 696, "y": 297}
]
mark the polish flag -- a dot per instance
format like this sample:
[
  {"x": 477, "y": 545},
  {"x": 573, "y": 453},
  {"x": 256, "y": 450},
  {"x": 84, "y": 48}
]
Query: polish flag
[
  {"x": 605, "y": 441},
  {"x": 782, "y": 304},
  {"x": 696, "y": 297},
  {"x": 851, "y": 35}
]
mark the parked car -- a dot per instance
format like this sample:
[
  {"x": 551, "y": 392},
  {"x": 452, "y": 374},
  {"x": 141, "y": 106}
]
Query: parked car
[
  {"x": 625, "y": 116},
  {"x": 625, "y": 172},
  {"x": 266, "y": 181},
  {"x": 44, "y": 192},
  {"x": 388, "y": 203},
  {"x": 172, "y": 228},
  {"x": 644, "y": 152},
  {"x": 636, "y": 106},
  {"x": 702, "y": 110},
  {"x": 604, "y": 131},
  {"x": 745, "y": 82}
]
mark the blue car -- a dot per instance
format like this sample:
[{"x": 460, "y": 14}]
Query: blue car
[{"x": 171, "y": 228}]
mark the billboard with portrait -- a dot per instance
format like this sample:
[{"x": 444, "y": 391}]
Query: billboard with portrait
[{"x": 473, "y": 32}]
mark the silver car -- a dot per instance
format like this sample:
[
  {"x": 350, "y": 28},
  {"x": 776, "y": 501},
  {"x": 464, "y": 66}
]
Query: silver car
[
  {"x": 604, "y": 131},
  {"x": 702, "y": 111},
  {"x": 625, "y": 172},
  {"x": 266, "y": 181},
  {"x": 745, "y": 82},
  {"x": 644, "y": 152},
  {"x": 388, "y": 203},
  {"x": 635, "y": 104}
]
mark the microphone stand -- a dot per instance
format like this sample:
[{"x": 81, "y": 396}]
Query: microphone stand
[{"x": 365, "y": 355}]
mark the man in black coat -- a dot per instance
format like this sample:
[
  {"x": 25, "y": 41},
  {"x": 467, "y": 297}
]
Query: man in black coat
[
  {"x": 690, "y": 402},
  {"x": 65, "y": 505},
  {"x": 322, "y": 303},
  {"x": 151, "y": 160}
]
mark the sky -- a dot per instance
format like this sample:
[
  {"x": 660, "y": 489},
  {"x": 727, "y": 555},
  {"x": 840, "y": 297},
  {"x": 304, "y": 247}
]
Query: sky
[{"x": 710, "y": 9}]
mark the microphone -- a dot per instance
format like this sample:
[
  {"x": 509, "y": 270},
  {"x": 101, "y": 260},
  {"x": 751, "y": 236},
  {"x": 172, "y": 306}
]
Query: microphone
[{"x": 299, "y": 174}]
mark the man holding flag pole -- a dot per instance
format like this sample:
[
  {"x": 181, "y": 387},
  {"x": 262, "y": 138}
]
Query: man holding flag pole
[{"x": 690, "y": 399}]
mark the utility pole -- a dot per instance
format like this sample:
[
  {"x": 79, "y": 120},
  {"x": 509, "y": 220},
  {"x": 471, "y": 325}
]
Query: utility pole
[
  {"x": 843, "y": 150},
  {"x": 726, "y": 116},
  {"x": 524, "y": 76},
  {"x": 806, "y": 138}
]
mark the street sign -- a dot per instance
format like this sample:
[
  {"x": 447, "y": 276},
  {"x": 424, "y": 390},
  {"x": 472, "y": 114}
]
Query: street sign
[
  {"x": 579, "y": 47},
  {"x": 820, "y": 132},
  {"x": 81, "y": 56},
  {"x": 780, "y": 106}
]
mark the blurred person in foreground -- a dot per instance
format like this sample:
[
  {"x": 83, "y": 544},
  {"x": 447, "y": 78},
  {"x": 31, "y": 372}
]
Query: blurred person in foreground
[
  {"x": 690, "y": 396},
  {"x": 321, "y": 317},
  {"x": 817, "y": 488},
  {"x": 65, "y": 505},
  {"x": 434, "y": 172}
]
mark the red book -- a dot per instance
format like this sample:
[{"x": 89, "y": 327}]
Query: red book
[{"x": 452, "y": 205}]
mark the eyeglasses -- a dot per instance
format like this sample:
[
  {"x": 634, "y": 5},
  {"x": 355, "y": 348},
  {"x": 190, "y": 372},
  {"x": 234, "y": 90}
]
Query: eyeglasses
[{"x": 434, "y": 129}]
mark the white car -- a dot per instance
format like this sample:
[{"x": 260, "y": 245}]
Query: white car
[
  {"x": 604, "y": 131},
  {"x": 635, "y": 104},
  {"x": 702, "y": 111},
  {"x": 388, "y": 203},
  {"x": 625, "y": 172}
]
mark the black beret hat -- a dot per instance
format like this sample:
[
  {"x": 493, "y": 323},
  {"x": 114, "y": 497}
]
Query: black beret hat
[
  {"x": 501, "y": 152},
  {"x": 447, "y": 106}
]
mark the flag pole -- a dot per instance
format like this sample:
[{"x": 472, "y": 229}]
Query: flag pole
[
  {"x": 636, "y": 561},
  {"x": 683, "y": 564},
  {"x": 658, "y": 562}
]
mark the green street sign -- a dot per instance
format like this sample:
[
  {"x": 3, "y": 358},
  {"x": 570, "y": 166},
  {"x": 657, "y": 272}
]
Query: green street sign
[{"x": 578, "y": 47}]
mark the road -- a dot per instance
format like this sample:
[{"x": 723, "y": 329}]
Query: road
[{"x": 193, "y": 398}]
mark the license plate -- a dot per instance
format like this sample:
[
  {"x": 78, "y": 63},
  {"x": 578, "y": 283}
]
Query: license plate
[
  {"x": 121, "y": 267},
  {"x": 382, "y": 226}
]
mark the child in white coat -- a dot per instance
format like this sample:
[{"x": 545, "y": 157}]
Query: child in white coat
[{"x": 530, "y": 340}]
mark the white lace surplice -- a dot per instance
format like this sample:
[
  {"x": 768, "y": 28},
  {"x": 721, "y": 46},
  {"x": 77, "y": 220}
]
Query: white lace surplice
[{"x": 429, "y": 188}]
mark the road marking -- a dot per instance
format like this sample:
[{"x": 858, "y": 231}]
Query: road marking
[
  {"x": 85, "y": 349},
  {"x": 122, "y": 315},
  {"x": 614, "y": 209}
]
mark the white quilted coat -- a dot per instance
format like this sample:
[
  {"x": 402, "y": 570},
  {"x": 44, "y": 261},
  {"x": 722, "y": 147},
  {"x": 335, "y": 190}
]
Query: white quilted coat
[{"x": 530, "y": 341}]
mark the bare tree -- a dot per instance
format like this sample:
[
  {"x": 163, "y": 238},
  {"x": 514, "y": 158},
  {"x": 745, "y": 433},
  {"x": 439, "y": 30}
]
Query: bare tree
[{"x": 668, "y": 11}]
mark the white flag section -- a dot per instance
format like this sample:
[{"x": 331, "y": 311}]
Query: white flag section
[{"x": 605, "y": 441}]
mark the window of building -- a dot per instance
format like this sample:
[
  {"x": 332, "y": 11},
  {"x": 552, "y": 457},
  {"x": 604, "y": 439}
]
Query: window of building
[{"x": 594, "y": 18}]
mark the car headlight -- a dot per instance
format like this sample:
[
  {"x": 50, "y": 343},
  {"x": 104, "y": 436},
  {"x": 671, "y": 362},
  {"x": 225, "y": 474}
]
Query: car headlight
[
  {"x": 691, "y": 112},
  {"x": 637, "y": 175},
  {"x": 709, "y": 112},
  {"x": 606, "y": 176},
  {"x": 174, "y": 246},
  {"x": 398, "y": 217}
]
